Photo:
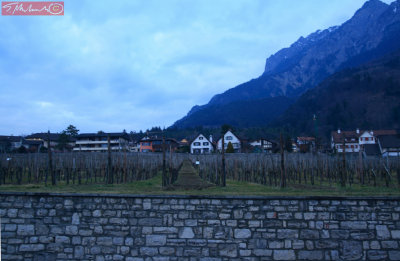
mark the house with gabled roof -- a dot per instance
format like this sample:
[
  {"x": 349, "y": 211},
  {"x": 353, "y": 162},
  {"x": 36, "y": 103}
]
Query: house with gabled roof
[
  {"x": 356, "y": 141},
  {"x": 155, "y": 144},
  {"x": 201, "y": 145},
  {"x": 263, "y": 145},
  {"x": 229, "y": 137}
]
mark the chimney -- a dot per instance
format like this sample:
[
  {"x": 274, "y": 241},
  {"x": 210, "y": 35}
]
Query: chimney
[
  {"x": 210, "y": 138},
  {"x": 358, "y": 131},
  {"x": 338, "y": 131}
]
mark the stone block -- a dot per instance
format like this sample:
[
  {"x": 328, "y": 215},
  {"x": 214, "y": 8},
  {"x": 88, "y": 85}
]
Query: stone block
[
  {"x": 242, "y": 233},
  {"x": 276, "y": 244},
  {"x": 353, "y": 225},
  {"x": 75, "y": 219},
  {"x": 25, "y": 230},
  {"x": 71, "y": 230},
  {"x": 31, "y": 247},
  {"x": 376, "y": 255},
  {"x": 186, "y": 232},
  {"x": 167, "y": 251},
  {"x": 287, "y": 234},
  {"x": 79, "y": 252},
  {"x": 284, "y": 255},
  {"x": 382, "y": 232},
  {"x": 156, "y": 222},
  {"x": 310, "y": 255},
  {"x": 390, "y": 244},
  {"x": 394, "y": 255},
  {"x": 156, "y": 240},
  {"x": 351, "y": 250},
  {"x": 62, "y": 240},
  {"x": 228, "y": 250},
  {"x": 309, "y": 234},
  {"x": 395, "y": 234}
]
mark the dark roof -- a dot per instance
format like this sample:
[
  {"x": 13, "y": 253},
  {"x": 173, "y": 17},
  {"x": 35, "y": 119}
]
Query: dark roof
[
  {"x": 269, "y": 140},
  {"x": 338, "y": 137},
  {"x": 240, "y": 138},
  {"x": 104, "y": 134},
  {"x": 389, "y": 141},
  {"x": 44, "y": 136},
  {"x": 347, "y": 135},
  {"x": 159, "y": 139},
  {"x": 306, "y": 138},
  {"x": 372, "y": 149},
  {"x": 32, "y": 142},
  {"x": 198, "y": 136},
  {"x": 11, "y": 138},
  {"x": 384, "y": 132}
]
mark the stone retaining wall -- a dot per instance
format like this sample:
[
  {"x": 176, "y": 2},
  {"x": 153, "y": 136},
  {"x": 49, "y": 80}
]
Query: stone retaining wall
[{"x": 125, "y": 227}]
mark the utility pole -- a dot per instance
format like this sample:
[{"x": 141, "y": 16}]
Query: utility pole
[
  {"x": 164, "y": 174},
  {"x": 343, "y": 175},
  {"x": 315, "y": 133},
  {"x": 53, "y": 178},
  {"x": 109, "y": 163},
  {"x": 223, "y": 161},
  {"x": 283, "y": 174}
]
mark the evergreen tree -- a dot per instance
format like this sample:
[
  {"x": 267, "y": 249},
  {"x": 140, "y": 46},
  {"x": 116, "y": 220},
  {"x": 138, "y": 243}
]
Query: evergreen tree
[
  {"x": 72, "y": 131},
  {"x": 230, "y": 148}
]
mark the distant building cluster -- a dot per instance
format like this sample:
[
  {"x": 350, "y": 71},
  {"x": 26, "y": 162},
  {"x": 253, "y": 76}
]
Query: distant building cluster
[{"x": 368, "y": 142}]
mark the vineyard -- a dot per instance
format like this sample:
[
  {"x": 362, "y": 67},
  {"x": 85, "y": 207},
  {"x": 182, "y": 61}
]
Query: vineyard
[{"x": 267, "y": 169}]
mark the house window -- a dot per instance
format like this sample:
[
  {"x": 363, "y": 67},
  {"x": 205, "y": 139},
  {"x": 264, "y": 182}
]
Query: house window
[
  {"x": 196, "y": 144},
  {"x": 366, "y": 139},
  {"x": 200, "y": 138},
  {"x": 352, "y": 146},
  {"x": 228, "y": 138},
  {"x": 146, "y": 144},
  {"x": 205, "y": 143}
]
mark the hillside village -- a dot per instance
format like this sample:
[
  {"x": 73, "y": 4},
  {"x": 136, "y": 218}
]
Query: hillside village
[{"x": 380, "y": 143}]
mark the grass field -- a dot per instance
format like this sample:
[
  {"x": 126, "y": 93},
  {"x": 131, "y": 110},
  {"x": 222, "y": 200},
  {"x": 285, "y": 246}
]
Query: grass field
[{"x": 153, "y": 186}]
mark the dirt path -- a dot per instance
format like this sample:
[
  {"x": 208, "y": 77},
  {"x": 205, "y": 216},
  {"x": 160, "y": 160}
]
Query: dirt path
[{"x": 189, "y": 179}]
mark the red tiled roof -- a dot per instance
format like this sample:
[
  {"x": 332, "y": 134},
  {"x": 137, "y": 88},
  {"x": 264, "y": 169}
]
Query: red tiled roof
[{"x": 349, "y": 135}]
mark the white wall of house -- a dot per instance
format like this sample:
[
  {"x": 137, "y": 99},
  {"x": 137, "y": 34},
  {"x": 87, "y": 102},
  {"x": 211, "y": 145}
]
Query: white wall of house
[
  {"x": 262, "y": 143},
  {"x": 350, "y": 147},
  {"x": 201, "y": 145},
  {"x": 367, "y": 138},
  {"x": 229, "y": 137}
]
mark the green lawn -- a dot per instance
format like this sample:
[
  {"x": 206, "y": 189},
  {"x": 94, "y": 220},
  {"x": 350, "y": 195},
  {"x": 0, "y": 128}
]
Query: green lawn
[{"x": 153, "y": 186}]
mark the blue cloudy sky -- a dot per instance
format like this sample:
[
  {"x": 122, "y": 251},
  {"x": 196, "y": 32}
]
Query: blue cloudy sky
[{"x": 114, "y": 65}]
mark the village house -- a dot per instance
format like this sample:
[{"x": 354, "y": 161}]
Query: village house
[
  {"x": 155, "y": 144},
  {"x": 229, "y": 137},
  {"x": 53, "y": 137},
  {"x": 10, "y": 143},
  {"x": 305, "y": 144},
  {"x": 263, "y": 145},
  {"x": 356, "y": 141},
  {"x": 389, "y": 145},
  {"x": 98, "y": 142},
  {"x": 201, "y": 145}
]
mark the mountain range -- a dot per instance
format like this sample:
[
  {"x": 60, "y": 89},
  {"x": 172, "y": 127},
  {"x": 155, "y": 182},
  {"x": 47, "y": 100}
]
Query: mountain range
[{"x": 372, "y": 33}]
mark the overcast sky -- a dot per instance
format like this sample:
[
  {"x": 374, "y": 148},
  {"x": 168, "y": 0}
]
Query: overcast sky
[{"x": 137, "y": 64}]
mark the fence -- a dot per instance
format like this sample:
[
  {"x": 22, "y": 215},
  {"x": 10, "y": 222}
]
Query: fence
[{"x": 88, "y": 168}]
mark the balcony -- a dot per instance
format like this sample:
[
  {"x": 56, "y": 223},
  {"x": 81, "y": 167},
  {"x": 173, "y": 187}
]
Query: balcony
[{"x": 95, "y": 141}]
